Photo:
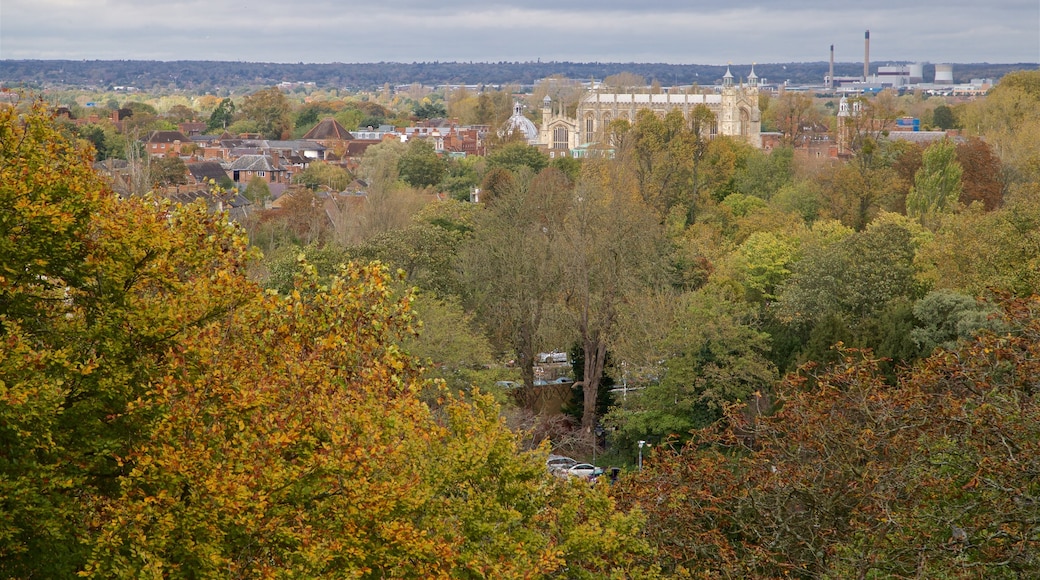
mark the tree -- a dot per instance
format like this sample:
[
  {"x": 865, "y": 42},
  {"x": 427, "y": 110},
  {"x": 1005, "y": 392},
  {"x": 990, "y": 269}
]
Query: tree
[
  {"x": 430, "y": 110},
  {"x": 320, "y": 174},
  {"x": 793, "y": 114},
  {"x": 426, "y": 249},
  {"x": 982, "y": 177},
  {"x": 1006, "y": 119},
  {"x": 946, "y": 317},
  {"x": 855, "y": 193},
  {"x": 944, "y": 118},
  {"x": 246, "y": 433},
  {"x": 165, "y": 171},
  {"x": 765, "y": 259},
  {"x": 222, "y": 116},
  {"x": 303, "y": 215},
  {"x": 764, "y": 174},
  {"x": 625, "y": 81},
  {"x": 94, "y": 291},
  {"x": 258, "y": 192},
  {"x": 510, "y": 266},
  {"x": 872, "y": 120},
  {"x": 608, "y": 248},
  {"x": 180, "y": 113},
  {"x": 856, "y": 276},
  {"x": 292, "y": 439},
  {"x": 379, "y": 165},
  {"x": 515, "y": 156},
  {"x": 420, "y": 166},
  {"x": 937, "y": 185},
  {"x": 853, "y": 476},
  {"x": 269, "y": 109},
  {"x": 715, "y": 357},
  {"x": 1006, "y": 237}
]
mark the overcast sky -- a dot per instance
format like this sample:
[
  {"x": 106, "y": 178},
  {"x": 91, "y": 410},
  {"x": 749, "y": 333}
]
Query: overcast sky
[{"x": 673, "y": 31}]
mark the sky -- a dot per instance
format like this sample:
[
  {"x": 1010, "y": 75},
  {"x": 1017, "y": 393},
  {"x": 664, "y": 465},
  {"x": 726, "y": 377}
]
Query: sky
[{"x": 705, "y": 32}]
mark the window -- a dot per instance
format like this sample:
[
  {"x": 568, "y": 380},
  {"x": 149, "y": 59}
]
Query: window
[
  {"x": 260, "y": 174},
  {"x": 560, "y": 138}
]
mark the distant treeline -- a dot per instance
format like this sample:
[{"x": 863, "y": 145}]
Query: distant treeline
[{"x": 212, "y": 76}]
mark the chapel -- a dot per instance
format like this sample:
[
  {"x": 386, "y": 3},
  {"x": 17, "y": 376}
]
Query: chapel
[{"x": 735, "y": 106}]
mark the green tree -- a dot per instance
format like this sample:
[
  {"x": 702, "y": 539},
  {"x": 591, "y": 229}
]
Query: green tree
[
  {"x": 856, "y": 276},
  {"x": 320, "y": 174},
  {"x": 269, "y": 109},
  {"x": 716, "y": 357},
  {"x": 937, "y": 185},
  {"x": 609, "y": 248},
  {"x": 430, "y": 110},
  {"x": 258, "y": 192},
  {"x": 379, "y": 165},
  {"x": 946, "y": 317},
  {"x": 222, "y": 116},
  {"x": 765, "y": 259},
  {"x": 515, "y": 156},
  {"x": 944, "y": 118},
  {"x": 420, "y": 166},
  {"x": 508, "y": 269}
]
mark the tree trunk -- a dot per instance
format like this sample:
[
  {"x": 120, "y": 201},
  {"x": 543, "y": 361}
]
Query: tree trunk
[{"x": 595, "y": 359}]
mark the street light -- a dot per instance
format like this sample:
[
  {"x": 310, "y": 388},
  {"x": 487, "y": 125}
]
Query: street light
[{"x": 641, "y": 444}]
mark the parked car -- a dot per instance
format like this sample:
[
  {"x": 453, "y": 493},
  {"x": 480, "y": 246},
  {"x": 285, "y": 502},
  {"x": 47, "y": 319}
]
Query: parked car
[
  {"x": 539, "y": 383},
  {"x": 507, "y": 384},
  {"x": 586, "y": 470},
  {"x": 552, "y": 357},
  {"x": 559, "y": 464},
  {"x": 563, "y": 380}
]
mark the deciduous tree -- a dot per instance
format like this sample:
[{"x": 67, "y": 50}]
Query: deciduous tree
[{"x": 269, "y": 109}]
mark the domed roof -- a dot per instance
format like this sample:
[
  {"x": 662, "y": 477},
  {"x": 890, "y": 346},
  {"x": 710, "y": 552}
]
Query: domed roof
[{"x": 518, "y": 122}]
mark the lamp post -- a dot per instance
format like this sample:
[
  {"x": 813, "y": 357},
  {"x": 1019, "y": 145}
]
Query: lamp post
[{"x": 641, "y": 444}]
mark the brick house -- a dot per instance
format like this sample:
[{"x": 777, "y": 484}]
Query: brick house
[
  {"x": 162, "y": 143},
  {"x": 246, "y": 167}
]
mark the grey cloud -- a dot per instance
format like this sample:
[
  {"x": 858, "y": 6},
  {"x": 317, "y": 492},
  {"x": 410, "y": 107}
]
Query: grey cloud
[{"x": 610, "y": 30}]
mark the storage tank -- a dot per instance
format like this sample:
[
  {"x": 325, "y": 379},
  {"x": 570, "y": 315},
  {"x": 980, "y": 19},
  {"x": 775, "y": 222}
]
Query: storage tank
[
  {"x": 916, "y": 73},
  {"x": 944, "y": 74}
]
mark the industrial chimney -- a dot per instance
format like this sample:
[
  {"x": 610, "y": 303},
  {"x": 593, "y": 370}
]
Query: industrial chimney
[
  {"x": 830, "y": 79},
  {"x": 866, "y": 56}
]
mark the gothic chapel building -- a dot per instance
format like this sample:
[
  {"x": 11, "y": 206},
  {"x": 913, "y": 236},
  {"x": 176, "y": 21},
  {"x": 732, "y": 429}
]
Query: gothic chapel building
[{"x": 735, "y": 107}]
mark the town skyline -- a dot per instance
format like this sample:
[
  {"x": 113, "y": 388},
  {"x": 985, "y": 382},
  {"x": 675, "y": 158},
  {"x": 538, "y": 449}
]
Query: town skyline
[{"x": 663, "y": 31}]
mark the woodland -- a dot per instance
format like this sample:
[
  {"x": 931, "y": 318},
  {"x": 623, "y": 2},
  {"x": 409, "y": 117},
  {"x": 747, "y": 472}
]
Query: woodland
[
  {"x": 832, "y": 362},
  {"x": 239, "y": 77}
]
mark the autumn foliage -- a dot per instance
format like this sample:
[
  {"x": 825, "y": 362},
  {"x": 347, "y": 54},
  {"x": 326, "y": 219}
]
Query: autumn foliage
[
  {"x": 163, "y": 416},
  {"x": 934, "y": 477}
]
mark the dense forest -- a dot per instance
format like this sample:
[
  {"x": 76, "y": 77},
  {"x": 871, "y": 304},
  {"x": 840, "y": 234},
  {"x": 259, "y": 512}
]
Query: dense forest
[
  {"x": 808, "y": 367},
  {"x": 213, "y": 76}
]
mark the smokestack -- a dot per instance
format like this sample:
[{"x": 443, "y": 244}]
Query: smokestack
[
  {"x": 831, "y": 78},
  {"x": 866, "y": 56}
]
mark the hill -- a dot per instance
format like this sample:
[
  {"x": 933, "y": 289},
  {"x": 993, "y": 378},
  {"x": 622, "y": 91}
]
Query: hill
[{"x": 213, "y": 76}]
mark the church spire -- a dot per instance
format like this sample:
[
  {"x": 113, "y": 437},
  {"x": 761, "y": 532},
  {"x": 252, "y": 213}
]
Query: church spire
[{"x": 727, "y": 79}]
